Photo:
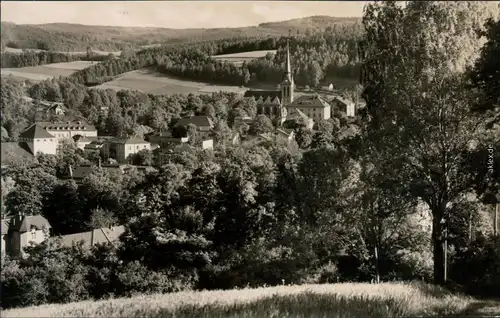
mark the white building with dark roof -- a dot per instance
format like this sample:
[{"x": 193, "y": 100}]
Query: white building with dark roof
[
  {"x": 23, "y": 231},
  {"x": 313, "y": 106},
  {"x": 39, "y": 140},
  {"x": 44, "y": 137}
]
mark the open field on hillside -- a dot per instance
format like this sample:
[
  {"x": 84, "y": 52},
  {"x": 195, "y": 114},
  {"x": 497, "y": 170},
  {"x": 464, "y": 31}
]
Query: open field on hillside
[
  {"x": 47, "y": 71},
  {"x": 239, "y": 58},
  {"x": 155, "y": 83},
  {"x": 329, "y": 300},
  {"x": 96, "y": 52}
]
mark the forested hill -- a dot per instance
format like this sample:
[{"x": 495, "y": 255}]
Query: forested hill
[{"x": 77, "y": 37}]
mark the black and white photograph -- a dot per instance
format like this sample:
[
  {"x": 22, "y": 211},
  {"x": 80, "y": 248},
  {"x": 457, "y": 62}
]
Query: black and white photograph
[{"x": 250, "y": 159}]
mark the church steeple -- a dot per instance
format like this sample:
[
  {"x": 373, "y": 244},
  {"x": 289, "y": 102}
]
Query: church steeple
[
  {"x": 288, "y": 68},
  {"x": 287, "y": 84}
]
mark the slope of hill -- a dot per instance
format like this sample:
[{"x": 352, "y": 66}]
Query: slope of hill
[
  {"x": 77, "y": 37},
  {"x": 336, "y": 300}
]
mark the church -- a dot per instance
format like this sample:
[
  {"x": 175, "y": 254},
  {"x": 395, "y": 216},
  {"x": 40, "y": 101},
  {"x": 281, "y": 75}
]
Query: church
[{"x": 281, "y": 105}]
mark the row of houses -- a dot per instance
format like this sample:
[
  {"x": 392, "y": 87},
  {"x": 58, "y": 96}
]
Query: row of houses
[{"x": 21, "y": 231}]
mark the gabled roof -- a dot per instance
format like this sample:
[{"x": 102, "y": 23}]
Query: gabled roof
[
  {"x": 35, "y": 131},
  {"x": 199, "y": 121},
  {"x": 97, "y": 236},
  {"x": 5, "y": 226},
  {"x": 341, "y": 100},
  {"x": 84, "y": 170},
  {"x": 264, "y": 94},
  {"x": 29, "y": 221},
  {"x": 314, "y": 101},
  {"x": 18, "y": 150},
  {"x": 68, "y": 125}
]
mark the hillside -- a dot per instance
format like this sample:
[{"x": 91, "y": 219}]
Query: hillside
[
  {"x": 77, "y": 37},
  {"x": 328, "y": 300}
]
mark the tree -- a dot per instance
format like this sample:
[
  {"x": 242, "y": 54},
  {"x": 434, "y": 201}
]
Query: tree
[
  {"x": 261, "y": 124},
  {"x": 304, "y": 137},
  {"x": 142, "y": 158},
  {"x": 418, "y": 106},
  {"x": 192, "y": 134}
]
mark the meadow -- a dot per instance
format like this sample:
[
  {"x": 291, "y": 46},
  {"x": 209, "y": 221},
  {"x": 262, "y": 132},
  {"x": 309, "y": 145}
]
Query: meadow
[
  {"x": 96, "y": 52},
  {"x": 151, "y": 82},
  {"x": 47, "y": 71},
  {"x": 239, "y": 58},
  {"x": 328, "y": 300}
]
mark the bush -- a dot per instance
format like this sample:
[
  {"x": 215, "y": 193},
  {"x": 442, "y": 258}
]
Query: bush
[{"x": 482, "y": 263}]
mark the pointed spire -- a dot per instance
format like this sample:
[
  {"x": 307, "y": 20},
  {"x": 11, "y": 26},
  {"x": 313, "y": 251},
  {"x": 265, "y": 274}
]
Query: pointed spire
[{"x": 288, "y": 68}]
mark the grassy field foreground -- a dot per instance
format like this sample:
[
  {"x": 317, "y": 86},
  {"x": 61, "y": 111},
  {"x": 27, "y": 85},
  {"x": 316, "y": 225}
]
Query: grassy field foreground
[{"x": 334, "y": 300}]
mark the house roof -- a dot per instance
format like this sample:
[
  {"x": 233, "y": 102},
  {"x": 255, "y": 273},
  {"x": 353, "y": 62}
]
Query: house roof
[
  {"x": 35, "y": 131},
  {"x": 29, "y": 221},
  {"x": 341, "y": 100},
  {"x": 96, "y": 236},
  {"x": 15, "y": 150},
  {"x": 313, "y": 101},
  {"x": 128, "y": 141},
  {"x": 5, "y": 226},
  {"x": 264, "y": 94},
  {"x": 198, "y": 121},
  {"x": 294, "y": 113},
  {"x": 80, "y": 138},
  {"x": 68, "y": 125},
  {"x": 84, "y": 170}
]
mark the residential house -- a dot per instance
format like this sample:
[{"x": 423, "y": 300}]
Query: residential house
[
  {"x": 289, "y": 134},
  {"x": 69, "y": 129},
  {"x": 204, "y": 125},
  {"x": 236, "y": 138},
  {"x": 84, "y": 170},
  {"x": 165, "y": 139},
  {"x": 39, "y": 140},
  {"x": 239, "y": 121},
  {"x": 207, "y": 144},
  {"x": 5, "y": 237},
  {"x": 295, "y": 115},
  {"x": 344, "y": 105},
  {"x": 24, "y": 230},
  {"x": 94, "y": 237},
  {"x": 121, "y": 148},
  {"x": 313, "y": 106}
]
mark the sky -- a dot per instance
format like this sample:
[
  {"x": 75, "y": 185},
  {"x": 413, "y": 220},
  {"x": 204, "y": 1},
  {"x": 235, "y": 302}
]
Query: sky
[{"x": 173, "y": 14}]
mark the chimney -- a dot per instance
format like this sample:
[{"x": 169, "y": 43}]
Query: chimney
[{"x": 70, "y": 171}]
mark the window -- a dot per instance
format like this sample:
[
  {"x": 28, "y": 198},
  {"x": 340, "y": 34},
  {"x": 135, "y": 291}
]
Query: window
[{"x": 33, "y": 235}]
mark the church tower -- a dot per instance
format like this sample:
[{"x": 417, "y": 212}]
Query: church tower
[{"x": 287, "y": 81}]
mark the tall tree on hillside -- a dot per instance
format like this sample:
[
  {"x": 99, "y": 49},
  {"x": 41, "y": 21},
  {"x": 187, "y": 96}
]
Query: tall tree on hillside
[{"x": 418, "y": 105}]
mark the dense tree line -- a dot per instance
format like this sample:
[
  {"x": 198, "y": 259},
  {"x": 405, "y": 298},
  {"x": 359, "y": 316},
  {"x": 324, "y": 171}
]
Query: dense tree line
[{"x": 34, "y": 58}]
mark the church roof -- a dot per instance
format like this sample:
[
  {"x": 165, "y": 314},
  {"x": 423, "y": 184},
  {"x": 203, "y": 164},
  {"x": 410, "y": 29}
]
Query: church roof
[
  {"x": 264, "y": 94},
  {"x": 313, "y": 101},
  {"x": 35, "y": 131}
]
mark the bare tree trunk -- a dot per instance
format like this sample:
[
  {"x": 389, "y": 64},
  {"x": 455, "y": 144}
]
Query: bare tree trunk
[
  {"x": 438, "y": 250},
  {"x": 377, "y": 270}
]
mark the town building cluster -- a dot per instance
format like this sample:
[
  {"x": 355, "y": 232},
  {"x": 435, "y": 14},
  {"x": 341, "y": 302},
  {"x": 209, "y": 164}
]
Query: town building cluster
[{"x": 281, "y": 105}]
